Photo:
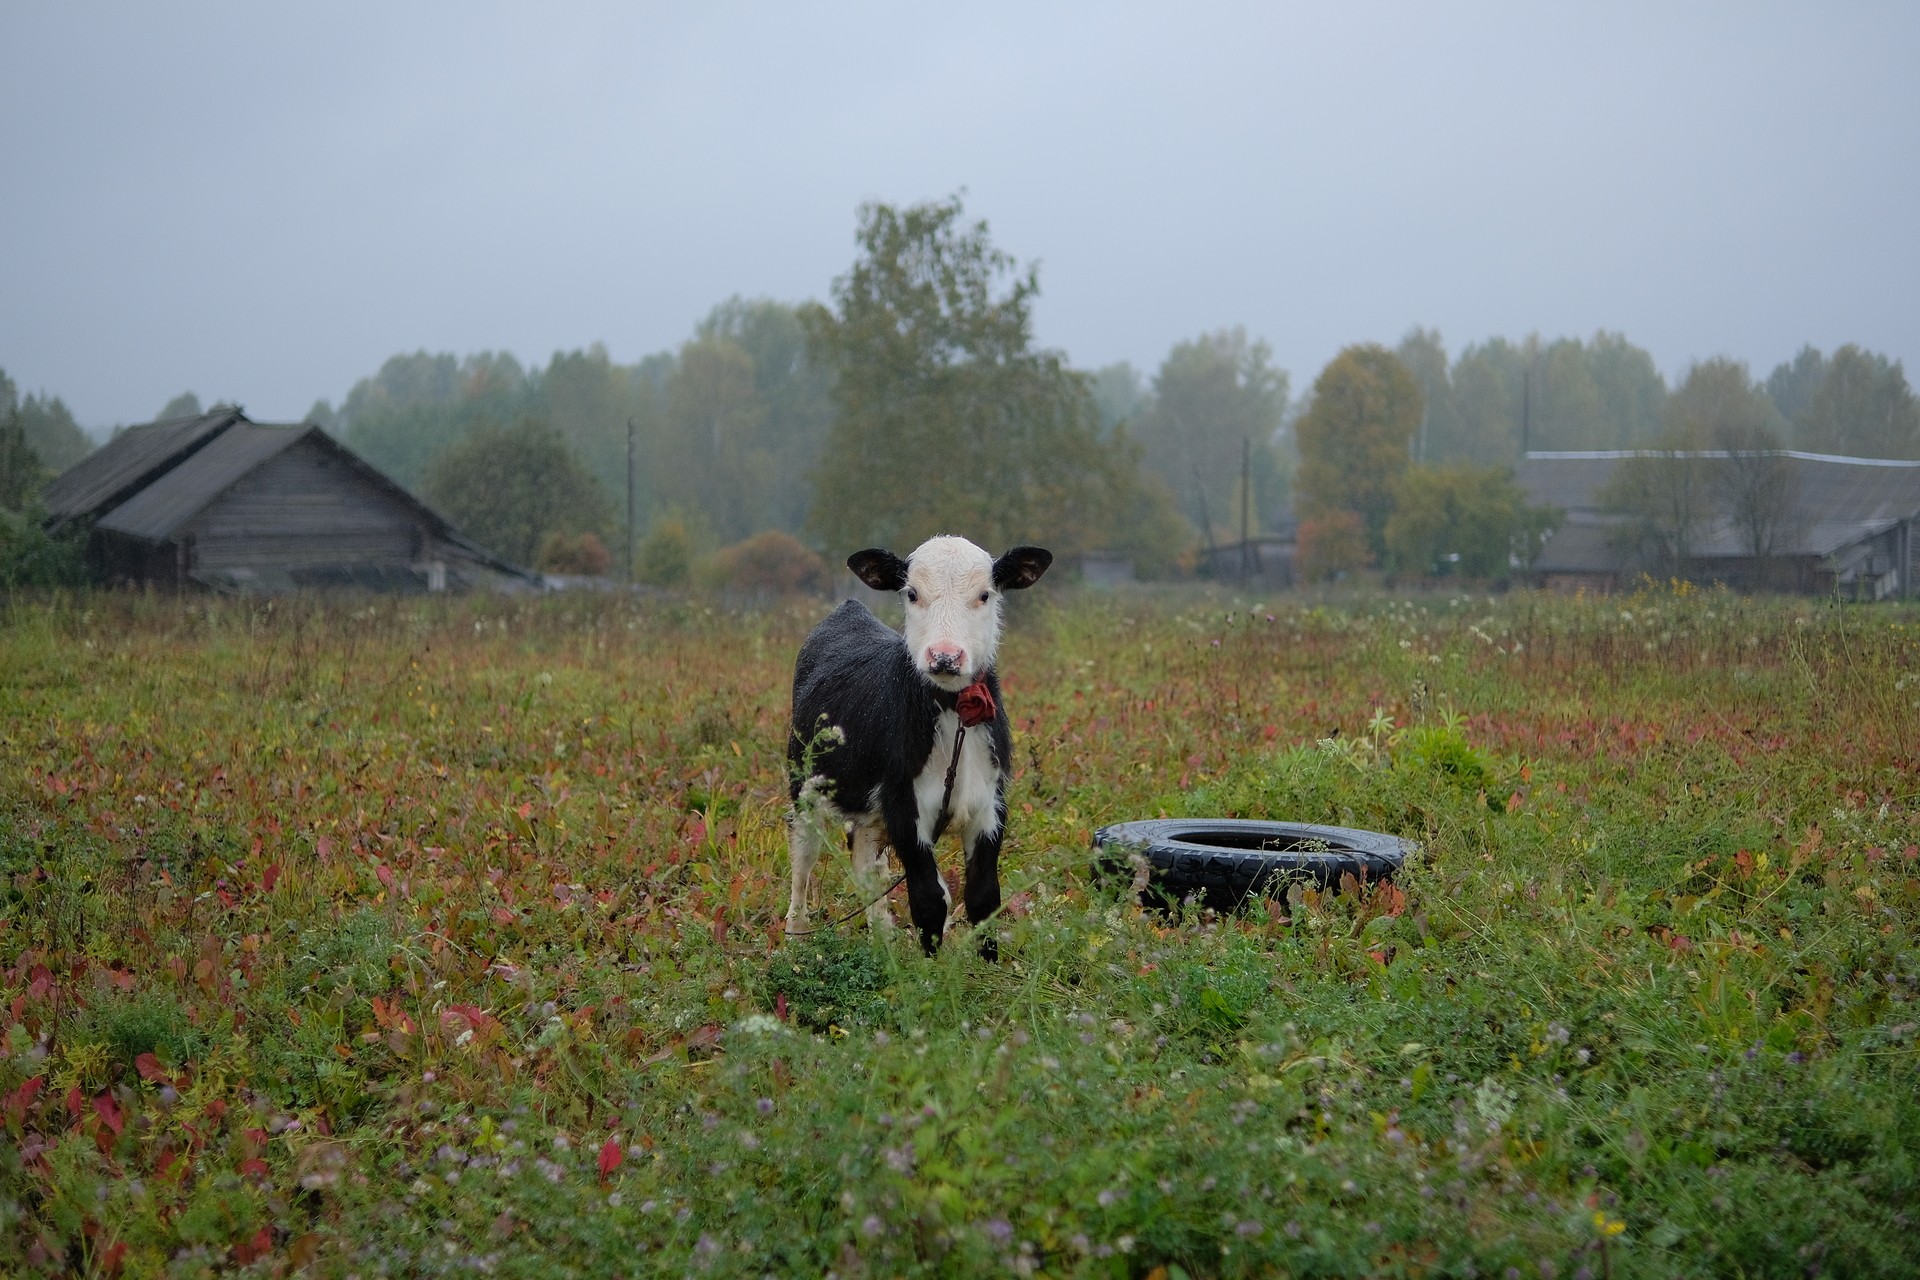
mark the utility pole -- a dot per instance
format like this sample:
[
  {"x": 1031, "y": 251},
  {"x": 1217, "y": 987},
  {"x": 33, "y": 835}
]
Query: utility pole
[
  {"x": 630, "y": 430},
  {"x": 1246, "y": 508}
]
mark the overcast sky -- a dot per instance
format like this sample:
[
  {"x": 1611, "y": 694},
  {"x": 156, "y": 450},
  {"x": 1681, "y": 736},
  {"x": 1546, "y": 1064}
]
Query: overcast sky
[{"x": 262, "y": 202}]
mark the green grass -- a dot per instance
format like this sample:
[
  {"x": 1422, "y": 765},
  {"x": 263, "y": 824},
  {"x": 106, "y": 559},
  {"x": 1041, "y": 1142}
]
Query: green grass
[{"x": 358, "y": 936}]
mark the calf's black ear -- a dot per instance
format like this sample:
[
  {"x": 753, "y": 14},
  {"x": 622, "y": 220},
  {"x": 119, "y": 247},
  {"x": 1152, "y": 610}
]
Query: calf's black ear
[
  {"x": 881, "y": 570},
  {"x": 1021, "y": 567}
]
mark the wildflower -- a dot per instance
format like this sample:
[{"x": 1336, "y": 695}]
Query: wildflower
[
  {"x": 999, "y": 1230},
  {"x": 872, "y": 1225},
  {"x": 761, "y": 1024}
]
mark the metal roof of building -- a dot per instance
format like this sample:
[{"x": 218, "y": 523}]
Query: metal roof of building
[
  {"x": 116, "y": 470},
  {"x": 1837, "y": 501}
]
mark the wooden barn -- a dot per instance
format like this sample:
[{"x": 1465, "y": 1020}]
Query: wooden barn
[{"x": 221, "y": 502}]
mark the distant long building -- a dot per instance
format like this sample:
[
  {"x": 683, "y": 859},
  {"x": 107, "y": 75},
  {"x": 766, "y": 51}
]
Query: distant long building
[{"x": 1834, "y": 524}]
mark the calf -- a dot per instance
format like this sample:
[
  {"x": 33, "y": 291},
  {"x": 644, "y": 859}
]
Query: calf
[{"x": 875, "y": 718}]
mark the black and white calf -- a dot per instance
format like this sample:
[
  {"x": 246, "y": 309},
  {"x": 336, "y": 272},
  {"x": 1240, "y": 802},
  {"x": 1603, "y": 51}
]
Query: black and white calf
[{"x": 875, "y": 716}]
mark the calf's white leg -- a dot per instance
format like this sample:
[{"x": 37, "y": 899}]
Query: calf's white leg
[
  {"x": 803, "y": 850},
  {"x": 870, "y": 870}
]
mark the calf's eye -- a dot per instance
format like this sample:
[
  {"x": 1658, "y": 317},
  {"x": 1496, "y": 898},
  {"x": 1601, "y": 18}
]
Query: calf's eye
[
  {"x": 984, "y": 596},
  {"x": 913, "y": 597}
]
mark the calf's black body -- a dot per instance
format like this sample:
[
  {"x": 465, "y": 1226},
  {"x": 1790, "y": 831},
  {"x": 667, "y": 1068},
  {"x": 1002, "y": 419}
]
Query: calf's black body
[{"x": 855, "y": 673}]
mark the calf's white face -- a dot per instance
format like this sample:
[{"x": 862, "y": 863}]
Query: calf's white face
[{"x": 952, "y": 592}]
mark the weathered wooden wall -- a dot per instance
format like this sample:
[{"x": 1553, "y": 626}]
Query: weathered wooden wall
[{"x": 305, "y": 507}]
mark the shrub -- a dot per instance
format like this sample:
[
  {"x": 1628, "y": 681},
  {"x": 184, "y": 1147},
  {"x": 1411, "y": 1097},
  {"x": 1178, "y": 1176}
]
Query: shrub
[
  {"x": 665, "y": 556},
  {"x": 31, "y": 557},
  {"x": 1331, "y": 545},
  {"x": 831, "y": 978},
  {"x": 580, "y": 554},
  {"x": 770, "y": 561}
]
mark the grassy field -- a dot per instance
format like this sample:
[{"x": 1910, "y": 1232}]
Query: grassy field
[{"x": 385, "y": 937}]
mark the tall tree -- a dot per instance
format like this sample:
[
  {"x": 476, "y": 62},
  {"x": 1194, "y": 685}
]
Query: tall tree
[
  {"x": 713, "y": 444},
  {"x": 950, "y": 419},
  {"x": 1793, "y": 384},
  {"x": 1632, "y": 393},
  {"x": 1120, "y": 395},
  {"x": 50, "y": 431},
  {"x": 184, "y": 405},
  {"x": 1674, "y": 491},
  {"x": 796, "y": 399},
  {"x": 1355, "y": 436},
  {"x": 1484, "y": 422},
  {"x": 1863, "y": 408},
  {"x": 417, "y": 405},
  {"x": 1506, "y": 397},
  {"x": 1719, "y": 407},
  {"x": 508, "y": 487},
  {"x": 588, "y": 399},
  {"x": 1214, "y": 399},
  {"x": 1424, "y": 353},
  {"x": 21, "y": 473}
]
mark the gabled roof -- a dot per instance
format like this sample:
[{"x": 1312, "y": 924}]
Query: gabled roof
[
  {"x": 1837, "y": 500},
  {"x": 116, "y": 470},
  {"x": 151, "y": 480},
  {"x": 156, "y": 511}
]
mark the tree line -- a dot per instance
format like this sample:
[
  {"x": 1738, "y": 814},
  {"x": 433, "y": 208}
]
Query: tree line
[{"x": 916, "y": 399}]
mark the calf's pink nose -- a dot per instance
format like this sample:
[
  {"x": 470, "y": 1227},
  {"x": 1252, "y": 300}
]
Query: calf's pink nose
[{"x": 946, "y": 657}]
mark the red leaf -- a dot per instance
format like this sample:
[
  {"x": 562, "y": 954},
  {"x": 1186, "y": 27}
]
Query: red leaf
[
  {"x": 111, "y": 1259},
  {"x": 503, "y": 916},
  {"x": 780, "y": 1005},
  {"x": 270, "y": 877},
  {"x": 526, "y": 811},
  {"x": 226, "y": 898},
  {"x": 109, "y": 1112},
  {"x": 259, "y": 1246},
  {"x": 385, "y": 874},
  {"x": 20, "y": 1099},
  {"x": 611, "y": 1154},
  {"x": 76, "y": 1102},
  {"x": 255, "y": 1167}
]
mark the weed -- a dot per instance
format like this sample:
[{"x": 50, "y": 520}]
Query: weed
[{"x": 453, "y": 928}]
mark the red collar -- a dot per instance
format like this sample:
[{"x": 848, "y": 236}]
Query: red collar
[{"x": 975, "y": 704}]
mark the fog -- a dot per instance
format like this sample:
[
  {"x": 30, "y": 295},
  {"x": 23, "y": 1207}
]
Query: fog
[{"x": 262, "y": 205}]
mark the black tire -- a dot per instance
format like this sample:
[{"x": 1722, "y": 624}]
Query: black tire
[{"x": 1228, "y": 860}]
